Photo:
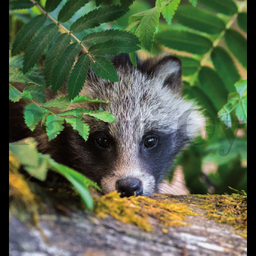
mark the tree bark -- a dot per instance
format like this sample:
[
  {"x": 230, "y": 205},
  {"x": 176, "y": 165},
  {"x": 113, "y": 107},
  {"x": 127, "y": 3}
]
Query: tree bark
[{"x": 82, "y": 234}]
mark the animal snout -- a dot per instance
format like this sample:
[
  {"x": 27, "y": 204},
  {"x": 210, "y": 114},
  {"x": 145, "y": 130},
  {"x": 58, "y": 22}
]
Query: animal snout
[{"x": 129, "y": 187}]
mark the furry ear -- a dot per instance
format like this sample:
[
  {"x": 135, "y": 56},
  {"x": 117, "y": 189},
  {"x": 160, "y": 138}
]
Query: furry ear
[{"x": 168, "y": 71}]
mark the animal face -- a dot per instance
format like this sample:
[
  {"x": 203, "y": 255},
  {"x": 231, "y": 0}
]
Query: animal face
[{"x": 153, "y": 123}]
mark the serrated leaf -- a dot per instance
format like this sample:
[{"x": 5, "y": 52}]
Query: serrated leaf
[
  {"x": 104, "y": 68},
  {"x": 37, "y": 46},
  {"x": 14, "y": 94},
  {"x": 39, "y": 171},
  {"x": 78, "y": 75},
  {"x": 213, "y": 86},
  {"x": 241, "y": 87},
  {"x": 126, "y": 3},
  {"x": 237, "y": 44},
  {"x": 79, "y": 125},
  {"x": 101, "y": 115},
  {"x": 27, "y": 32},
  {"x": 227, "y": 7},
  {"x": 242, "y": 21},
  {"x": 25, "y": 151},
  {"x": 225, "y": 67},
  {"x": 37, "y": 92},
  {"x": 21, "y": 4},
  {"x": 147, "y": 28},
  {"x": 63, "y": 66},
  {"x": 69, "y": 9},
  {"x": 184, "y": 41},
  {"x": 54, "y": 125},
  {"x": 61, "y": 102},
  {"x": 84, "y": 98},
  {"x": 111, "y": 34},
  {"x": 61, "y": 43},
  {"x": 51, "y": 5},
  {"x": 169, "y": 10},
  {"x": 113, "y": 47},
  {"x": 76, "y": 112},
  {"x": 33, "y": 114},
  {"x": 199, "y": 19},
  {"x": 98, "y": 16}
]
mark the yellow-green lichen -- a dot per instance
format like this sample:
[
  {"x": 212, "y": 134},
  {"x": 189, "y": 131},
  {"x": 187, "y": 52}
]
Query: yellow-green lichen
[
  {"x": 226, "y": 209},
  {"x": 139, "y": 210}
]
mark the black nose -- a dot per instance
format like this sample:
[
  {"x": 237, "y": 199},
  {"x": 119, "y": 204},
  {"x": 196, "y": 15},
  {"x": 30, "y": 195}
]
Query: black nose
[{"x": 129, "y": 187}]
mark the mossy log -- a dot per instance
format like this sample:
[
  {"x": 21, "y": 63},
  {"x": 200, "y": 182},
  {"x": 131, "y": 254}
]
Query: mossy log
[{"x": 72, "y": 231}]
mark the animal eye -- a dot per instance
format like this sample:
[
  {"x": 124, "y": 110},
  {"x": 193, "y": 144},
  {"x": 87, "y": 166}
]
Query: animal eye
[
  {"x": 102, "y": 142},
  {"x": 150, "y": 141}
]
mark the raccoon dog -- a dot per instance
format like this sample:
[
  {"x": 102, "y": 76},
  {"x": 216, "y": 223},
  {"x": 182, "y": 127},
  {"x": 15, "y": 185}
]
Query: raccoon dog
[{"x": 134, "y": 153}]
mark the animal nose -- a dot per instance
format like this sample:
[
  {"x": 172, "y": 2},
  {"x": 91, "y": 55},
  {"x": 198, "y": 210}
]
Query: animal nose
[{"x": 129, "y": 187}]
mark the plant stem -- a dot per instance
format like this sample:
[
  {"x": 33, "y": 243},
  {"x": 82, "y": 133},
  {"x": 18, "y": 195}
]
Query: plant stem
[
  {"x": 63, "y": 28},
  {"x": 217, "y": 40}
]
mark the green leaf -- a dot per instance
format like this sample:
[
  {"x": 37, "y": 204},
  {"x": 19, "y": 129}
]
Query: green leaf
[
  {"x": 225, "y": 67},
  {"x": 98, "y": 16},
  {"x": 76, "y": 112},
  {"x": 33, "y": 114},
  {"x": 25, "y": 151},
  {"x": 242, "y": 21},
  {"x": 37, "y": 46},
  {"x": 213, "y": 86},
  {"x": 77, "y": 77},
  {"x": 104, "y": 68},
  {"x": 189, "y": 65},
  {"x": 83, "y": 98},
  {"x": 241, "y": 110},
  {"x": 61, "y": 102},
  {"x": 184, "y": 41},
  {"x": 101, "y": 115},
  {"x": 111, "y": 34},
  {"x": 39, "y": 171},
  {"x": 126, "y": 3},
  {"x": 69, "y": 9},
  {"x": 241, "y": 87},
  {"x": 54, "y": 53},
  {"x": 51, "y": 5},
  {"x": 54, "y": 125},
  {"x": 14, "y": 94},
  {"x": 21, "y": 4},
  {"x": 24, "y": 35},
  {"x": 147, "y": 28},
  {"x": 133, "y": 58},
  {"x": 37, "y": 92},
  {"x": 237, "y": 44},
  {"x": 113, "y": 47},
  {"x": 227, "y": 7},
  {"x": 169, "y": 10},
  {"x": 63, "y": 66},
  {"x": 198, "y": 19},
  {"x": 79, "y": 125},
  {"x": 79, "y": 181}
]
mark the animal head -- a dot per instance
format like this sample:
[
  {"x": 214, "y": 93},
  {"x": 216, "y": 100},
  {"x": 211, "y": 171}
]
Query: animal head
[{"x": 153, "y": 123}]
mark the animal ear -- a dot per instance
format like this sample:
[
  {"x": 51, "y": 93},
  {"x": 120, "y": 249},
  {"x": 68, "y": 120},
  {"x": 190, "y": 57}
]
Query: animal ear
[{"x": 168, "y": 71}]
